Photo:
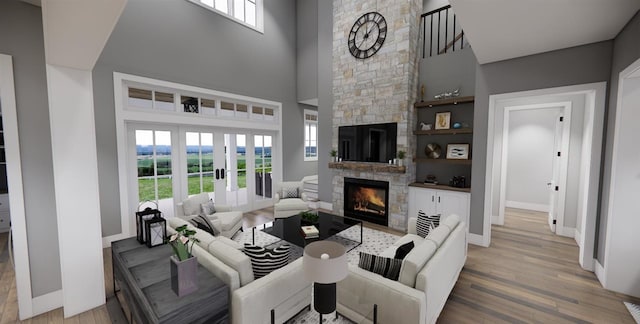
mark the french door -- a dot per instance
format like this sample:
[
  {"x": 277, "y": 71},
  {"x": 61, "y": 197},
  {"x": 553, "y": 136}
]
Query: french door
[{"x": 174, "y": 162}]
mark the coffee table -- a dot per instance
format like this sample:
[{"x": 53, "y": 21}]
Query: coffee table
[{"x": 329, "y": 225}]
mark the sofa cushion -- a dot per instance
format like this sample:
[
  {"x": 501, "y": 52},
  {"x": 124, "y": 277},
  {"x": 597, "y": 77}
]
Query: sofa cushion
[
  {"x": 451, "y": 221},
  {"x": 234, "y": 258},
  {"x": 426, "y": 223},
  {"x": 438, "y": 235},
  {"x": 226, "y": 220},
  {"x": 291, "y": 204},
  {"x": 191, "y": 205},
  {"x": 403, "y": 250},
  {"x": 386, "y": 267},
  {"x": 208, "y": 208},
  {"x": 415, "y": 261},
  {"x": 264, "y": 260}
]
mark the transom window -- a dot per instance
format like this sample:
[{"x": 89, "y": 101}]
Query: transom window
[
  {"x": 310, "y": 135},
  {"x": 246, "y": 12}
]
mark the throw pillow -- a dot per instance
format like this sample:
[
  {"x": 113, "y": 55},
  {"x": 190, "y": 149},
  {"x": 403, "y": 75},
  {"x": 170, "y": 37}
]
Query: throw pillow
[
  {"x": 202, "y": 222},
  {"x": 291, "y": 192},
  {"x": 425, "y": 223},
  {"x": 208, "y": 208},
  {"x": 264, "y": 261},
  {"x": 386, "y": 267},
  {"x": 403, "y": 250}
]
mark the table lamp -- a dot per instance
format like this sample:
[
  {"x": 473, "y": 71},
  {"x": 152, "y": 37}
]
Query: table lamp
[{"x": 324, "y": 263}]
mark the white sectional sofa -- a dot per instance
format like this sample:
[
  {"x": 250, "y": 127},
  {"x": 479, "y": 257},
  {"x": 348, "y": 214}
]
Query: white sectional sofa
[
  {"x": 285, "y": 290},
  {"x": 428, "y": 274}
]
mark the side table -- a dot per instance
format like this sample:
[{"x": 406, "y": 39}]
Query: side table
[{"x": 142, "y": 284}]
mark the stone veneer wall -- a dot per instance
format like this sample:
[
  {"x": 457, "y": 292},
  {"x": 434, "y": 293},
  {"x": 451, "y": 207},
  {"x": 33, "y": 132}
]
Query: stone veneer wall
[{"x": 379, "y": 89}]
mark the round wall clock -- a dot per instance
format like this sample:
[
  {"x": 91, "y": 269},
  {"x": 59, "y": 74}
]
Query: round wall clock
[{"x": 367, "y": 35}]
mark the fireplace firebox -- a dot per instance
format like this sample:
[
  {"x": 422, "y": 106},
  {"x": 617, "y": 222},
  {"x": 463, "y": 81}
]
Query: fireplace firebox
[{"x": 367, "y": 200}]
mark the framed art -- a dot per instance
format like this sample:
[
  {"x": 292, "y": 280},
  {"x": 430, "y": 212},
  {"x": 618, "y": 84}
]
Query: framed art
[
  {"x": 443, "y": 120},
  {"x": 458, "y": 151}
]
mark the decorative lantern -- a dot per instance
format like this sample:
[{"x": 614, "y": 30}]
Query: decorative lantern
[
  {"x": 155, "y": 231},
  {"x": 141, "y": 218}
]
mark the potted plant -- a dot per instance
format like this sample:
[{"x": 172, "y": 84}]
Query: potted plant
[
  {"x": 334, "y": 155},
  {"x": 308, "y": 218},
  {"x": 401, "y": 155},
  {"x": 184, "y": 266}
]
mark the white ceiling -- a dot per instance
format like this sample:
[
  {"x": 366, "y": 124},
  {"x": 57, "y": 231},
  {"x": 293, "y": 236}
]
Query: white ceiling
[{"x": 503, "y": 29}]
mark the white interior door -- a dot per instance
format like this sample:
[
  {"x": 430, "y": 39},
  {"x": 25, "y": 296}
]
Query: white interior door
[{"x": 555, "y": 175}]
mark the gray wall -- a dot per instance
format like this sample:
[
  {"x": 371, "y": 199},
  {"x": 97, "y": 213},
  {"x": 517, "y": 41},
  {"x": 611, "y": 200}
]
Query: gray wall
[
  {"x": 181, "y": 42},
  {"x": 577, "y": 65},
  {"x": 626, "y": 50},
  {"x": 307, "y": 49},
  {"x": 447, "y": 72},
  {"x": 21, "y": 37},
  {"x": 325, "y": 98}
]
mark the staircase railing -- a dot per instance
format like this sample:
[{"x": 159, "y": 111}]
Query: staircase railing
[{"x": 438, "y": 47}]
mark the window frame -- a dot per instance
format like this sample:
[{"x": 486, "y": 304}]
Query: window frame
[
  {"x": 259, "y": 13},
  {"x": 307, "y": 129}
]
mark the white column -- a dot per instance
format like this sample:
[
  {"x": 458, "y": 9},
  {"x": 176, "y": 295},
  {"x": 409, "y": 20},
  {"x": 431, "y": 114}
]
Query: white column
[{"x": 75, "y": 170}]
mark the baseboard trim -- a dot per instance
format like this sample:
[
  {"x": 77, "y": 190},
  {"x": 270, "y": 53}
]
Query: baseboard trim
[
  {"x": 47, "y": 302},
  {"x": 476, "y": 239},
  {"x": 527, "y": 206},
  {"x": 577, "y": 236},
  {"x": 600, "y": 273},
  {"x": 325, "y": 205},
  {"x": 567, "y": 232}
]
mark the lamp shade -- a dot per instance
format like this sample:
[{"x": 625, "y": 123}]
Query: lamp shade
[{"x": 330, "y": 268}]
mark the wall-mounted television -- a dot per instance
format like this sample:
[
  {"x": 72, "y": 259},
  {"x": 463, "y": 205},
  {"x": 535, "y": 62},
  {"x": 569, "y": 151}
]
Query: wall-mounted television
[{"x": 368, "y": 143}]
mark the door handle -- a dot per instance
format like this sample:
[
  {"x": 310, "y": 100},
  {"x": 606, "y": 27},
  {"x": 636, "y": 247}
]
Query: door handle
[
  {"x": 438, "y": 199},
  {"x": 217, "y": 174},
  {"x": 222, "y": 173}
]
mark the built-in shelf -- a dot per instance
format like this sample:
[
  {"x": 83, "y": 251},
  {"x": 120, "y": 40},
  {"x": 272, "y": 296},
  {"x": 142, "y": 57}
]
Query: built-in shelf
[
  {"x": 451, "y": 131},
  {"x": 368, "y": 167},
  {"x": 438, "y": 187},
  {"x": 447, "y": 161},
  {"x": 444, "y": 102}
]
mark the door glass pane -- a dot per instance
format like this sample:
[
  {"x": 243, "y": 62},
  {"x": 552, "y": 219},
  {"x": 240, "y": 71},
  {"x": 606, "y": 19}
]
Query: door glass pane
[
  {"x": 263, "y": 166},
  {"x": 199, "y": 162},
  {"x": 153, "y": 162},
  {"x": 236, "y": 174}
]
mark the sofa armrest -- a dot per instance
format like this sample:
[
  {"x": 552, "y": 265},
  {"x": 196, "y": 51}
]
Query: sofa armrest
[
  {"x": 392, "y": 298},
  {"x": 411, "y": 225},
  {"x": 179, "y": 210},
  {"x": 223, "y": 208},
  {"x": 276, "y": 198},
  {"x": 285, "y": 290},
  {"x": 304, "y": 196}
]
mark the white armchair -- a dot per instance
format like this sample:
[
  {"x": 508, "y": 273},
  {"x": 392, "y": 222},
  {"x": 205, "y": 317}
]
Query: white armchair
[
  {"x": 286, "y": 207},
  {"x": 225, "y": 220}
]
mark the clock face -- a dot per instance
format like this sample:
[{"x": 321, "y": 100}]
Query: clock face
[{"x": 367, "y": 35}]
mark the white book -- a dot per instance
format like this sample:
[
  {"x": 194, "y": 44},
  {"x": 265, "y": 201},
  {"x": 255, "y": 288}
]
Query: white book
[{"x": 310, "y": 231}]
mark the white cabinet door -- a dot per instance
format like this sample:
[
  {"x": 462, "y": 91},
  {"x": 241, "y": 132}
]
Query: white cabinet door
[
  {"x": 422, "y": 199},
  {"x": 451, "y": 202}
]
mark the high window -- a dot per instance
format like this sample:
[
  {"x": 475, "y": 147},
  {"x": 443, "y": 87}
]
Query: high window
[
  {"x": 310, "y": 135},
  {"x": 246, "y": 12}
]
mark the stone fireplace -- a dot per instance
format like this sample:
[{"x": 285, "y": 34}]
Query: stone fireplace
[
  {"x": 379, "y": 89},
  {"x": 367, "y": 200}
]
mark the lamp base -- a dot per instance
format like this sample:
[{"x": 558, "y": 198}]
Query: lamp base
[{"x": 324, "y": 298}]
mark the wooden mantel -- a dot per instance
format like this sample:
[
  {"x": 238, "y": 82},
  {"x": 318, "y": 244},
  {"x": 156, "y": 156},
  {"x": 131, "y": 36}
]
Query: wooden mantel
[{"x": 368, "y": 167}]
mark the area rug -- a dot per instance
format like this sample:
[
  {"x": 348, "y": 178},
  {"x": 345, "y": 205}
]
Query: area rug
[
  {"x": 374, "y": 242},
  {"x": 634, "y": 310}
]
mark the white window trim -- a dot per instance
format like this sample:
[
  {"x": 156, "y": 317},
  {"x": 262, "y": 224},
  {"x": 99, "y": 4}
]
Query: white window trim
[
  {"x": 315, "y": 113},
  {"x": 259, "y": 27},
  {"x": 124, "y": 115}
]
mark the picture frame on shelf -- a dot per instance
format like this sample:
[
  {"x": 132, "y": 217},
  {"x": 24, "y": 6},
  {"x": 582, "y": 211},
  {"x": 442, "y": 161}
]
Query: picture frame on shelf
[
  {"x": 457, "y": 151},
  {"x": 443, "y": 120}
]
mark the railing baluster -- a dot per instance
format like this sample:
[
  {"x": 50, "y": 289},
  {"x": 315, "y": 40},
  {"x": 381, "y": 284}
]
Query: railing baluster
[
  {"x": 431, "y": 38},
  {"x": 462, "y": 40},
  {"x": 424, "y": 35},
  {"x": 446, "y": 29},
  {"x": 439, "y": 23},
  {"x": 454, "y": 33}
]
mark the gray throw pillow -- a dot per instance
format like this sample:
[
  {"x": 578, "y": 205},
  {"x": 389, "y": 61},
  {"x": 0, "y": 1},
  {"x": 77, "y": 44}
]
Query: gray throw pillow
[
  {"x": 208, "y": 208},
  {"x": 290, "y": 192}
]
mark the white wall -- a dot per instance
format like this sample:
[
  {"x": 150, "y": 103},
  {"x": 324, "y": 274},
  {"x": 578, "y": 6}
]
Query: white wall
[{"x": 530, "y": 157}]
